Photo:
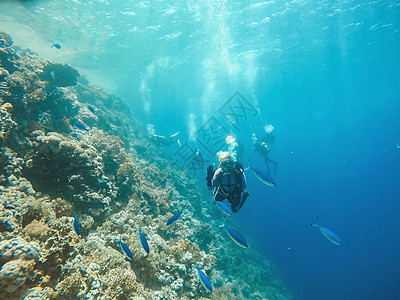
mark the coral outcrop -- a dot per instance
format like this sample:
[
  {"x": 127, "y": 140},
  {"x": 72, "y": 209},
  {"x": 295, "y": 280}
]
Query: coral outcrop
[
  {"x": 69, "y": 150},
  {"x": 59, "y": 75}
]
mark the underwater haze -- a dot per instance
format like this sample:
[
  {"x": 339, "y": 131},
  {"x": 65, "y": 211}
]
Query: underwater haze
[{"x": 324, "y": 74}]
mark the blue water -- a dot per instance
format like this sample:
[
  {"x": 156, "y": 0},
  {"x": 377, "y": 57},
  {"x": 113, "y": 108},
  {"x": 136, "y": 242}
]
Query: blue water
[{"x": 325, "y": 75}]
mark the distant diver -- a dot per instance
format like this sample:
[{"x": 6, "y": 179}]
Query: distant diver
[
  {"x": 160, "y": 140},
  {"x": 198, "y": 161},
  {"x": 262, "y": 148},
  {"x": 55, "y": 45},
  {"x": 228, "y": 181}
]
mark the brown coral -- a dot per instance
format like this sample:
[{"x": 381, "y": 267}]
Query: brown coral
[{"x": 36, "y": 229}]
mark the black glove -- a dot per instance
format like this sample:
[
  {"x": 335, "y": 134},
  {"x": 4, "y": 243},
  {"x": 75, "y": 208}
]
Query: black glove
[{"x": 210, "y": 174}]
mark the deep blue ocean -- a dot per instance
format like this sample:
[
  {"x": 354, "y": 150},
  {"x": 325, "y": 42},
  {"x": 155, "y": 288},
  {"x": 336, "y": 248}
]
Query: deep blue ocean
[{"x": 324, "y": 74}]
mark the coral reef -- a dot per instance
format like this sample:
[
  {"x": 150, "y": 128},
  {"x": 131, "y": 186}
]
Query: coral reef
[
  {"x": 5, "y": 40},
  {"x": 59, "y": 75},
  {"x": 6, "y": 121},
  {"x": 70, "y": 150}
]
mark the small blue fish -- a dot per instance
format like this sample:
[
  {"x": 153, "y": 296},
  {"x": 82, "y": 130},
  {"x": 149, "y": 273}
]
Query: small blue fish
[
  {"x": 91, "y": 108},
  {"x": 56, "y": 45},
  {"x": 80, "y": 126},
  {"x": 48, "y": 91},
  {"x": 264, "y": 177},
  {"x": 235, "y": 236},
  {"x": 42, "y": 117},
  {"x": 204, "y": 280},
  {"x": 76, "y": 226},
  {"x": 330, "y": 235},
  {"x": 125, "y": 249},
  {"x": 74, "y": 135},
  {"x": 225, "y": 209},
  {"x": 104, "y": 180},
  {"x": 173, "y": 219},
  {"x": 143, "y": 241}
]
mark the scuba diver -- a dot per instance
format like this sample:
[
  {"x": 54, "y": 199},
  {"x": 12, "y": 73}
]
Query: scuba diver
[
  {"x": 262, "y": 148},
  {"x": 160, "y": 140},
  {"x": 198, "y": 161},
  {"x": 269, "y": 136},
  {"x": 228, "y": 181}
]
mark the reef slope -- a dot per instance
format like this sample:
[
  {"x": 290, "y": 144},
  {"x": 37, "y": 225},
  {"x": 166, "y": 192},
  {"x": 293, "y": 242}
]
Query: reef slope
[{"x": 70, "y": 150}]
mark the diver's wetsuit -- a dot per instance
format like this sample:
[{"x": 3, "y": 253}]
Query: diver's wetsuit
[{"x": 230, "y": 187}]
